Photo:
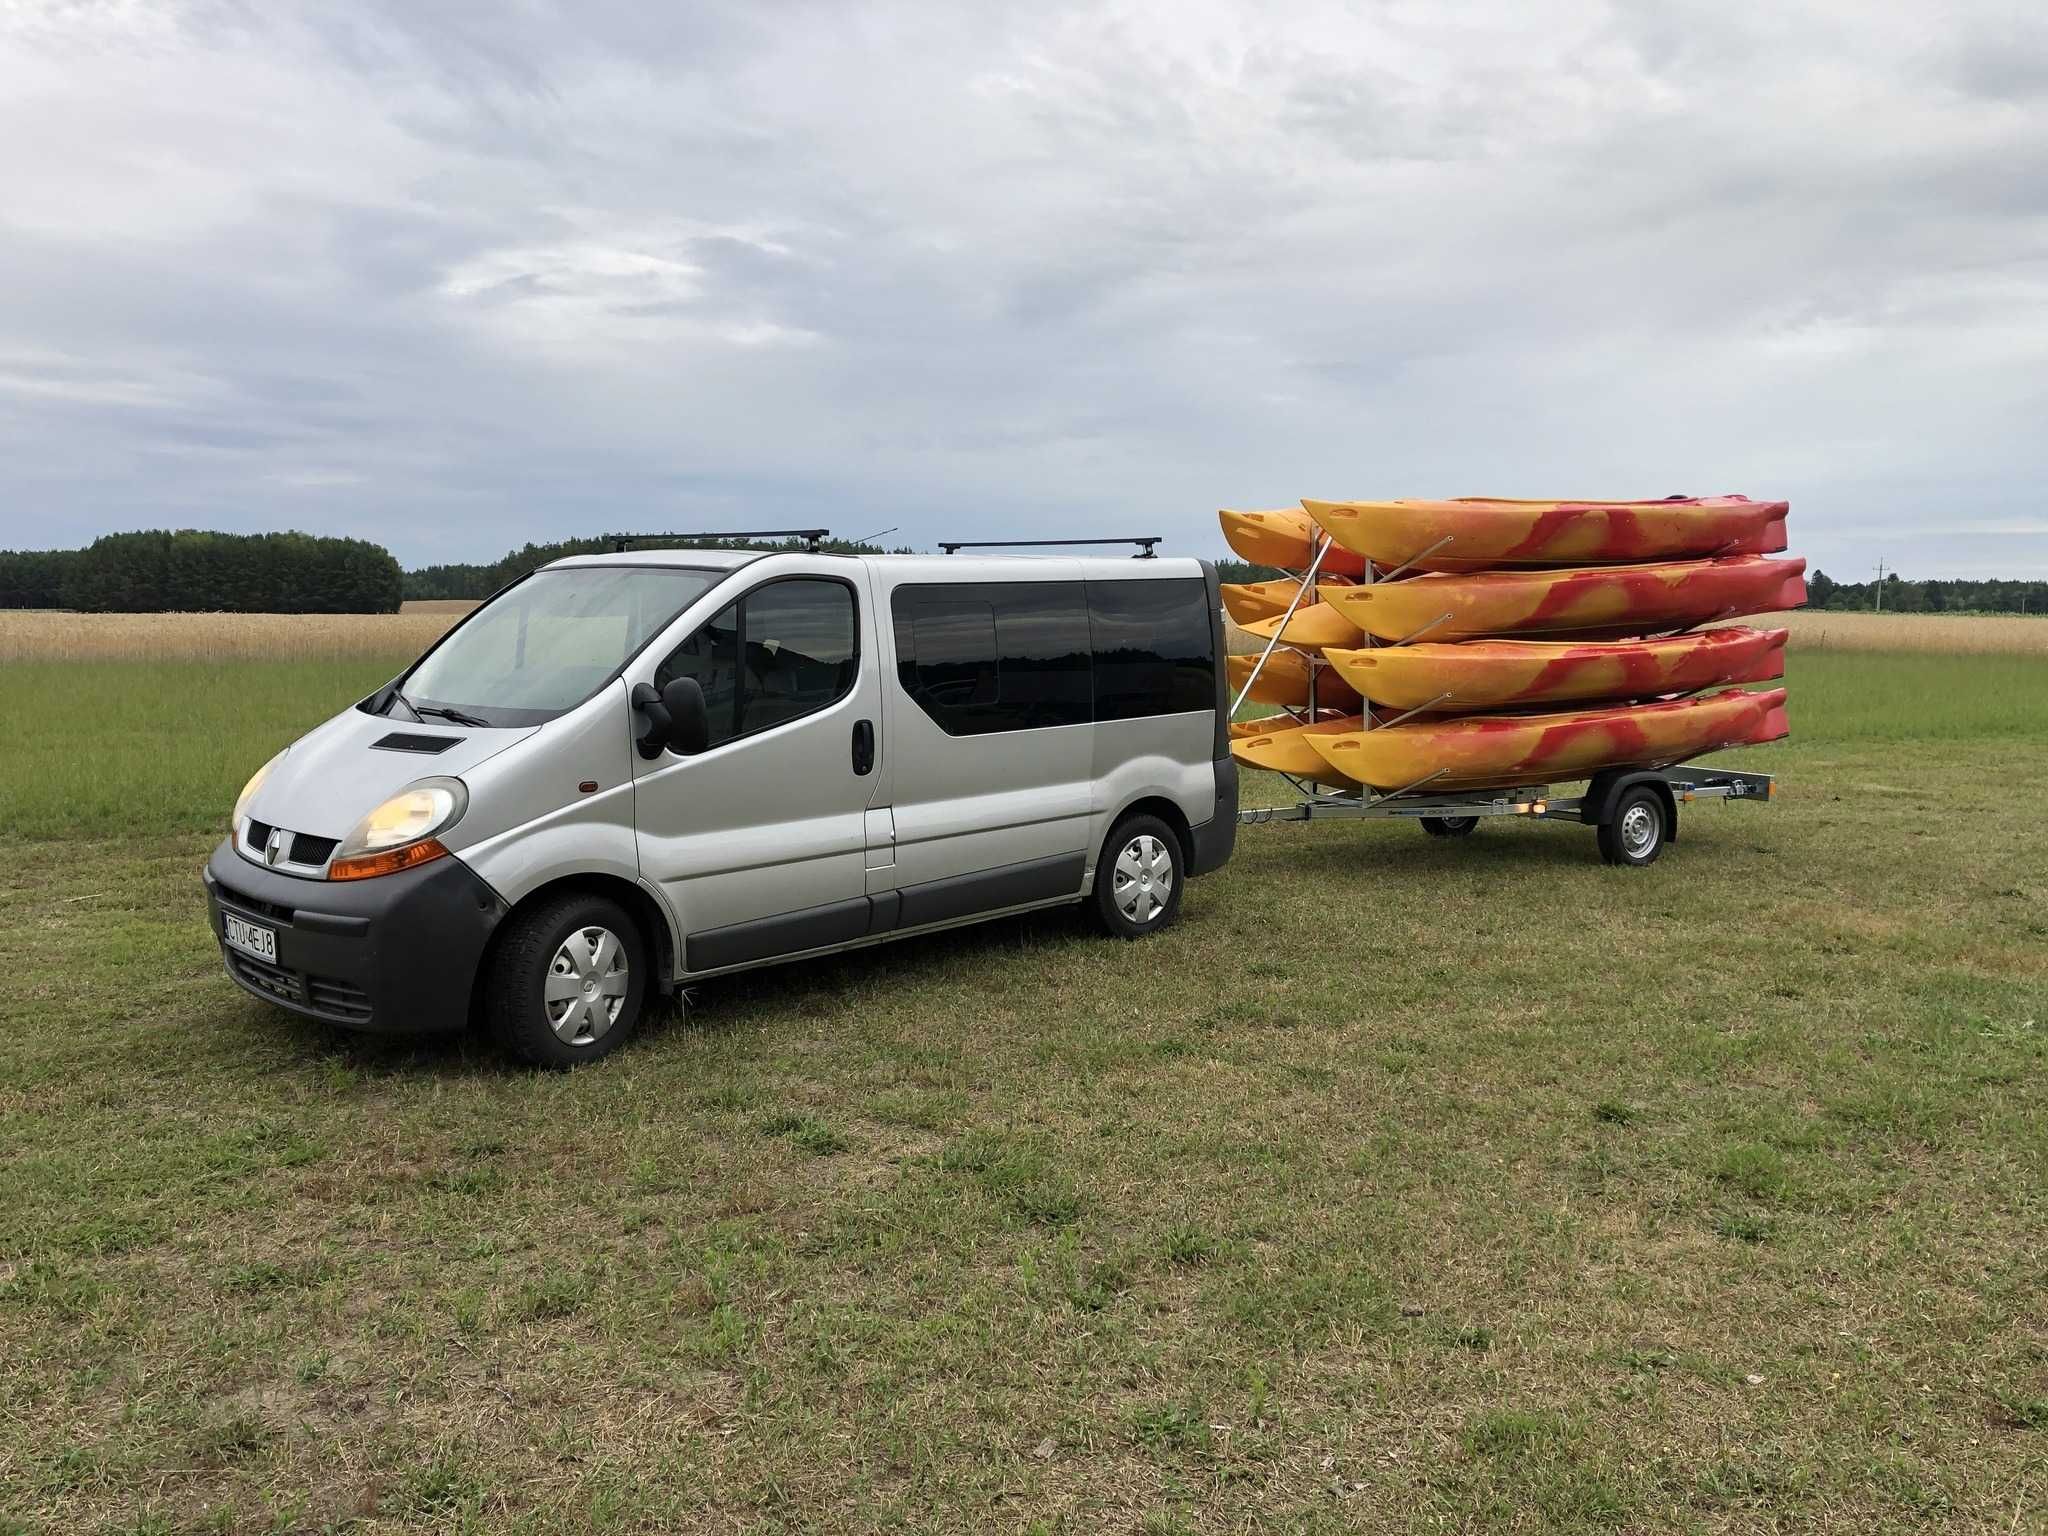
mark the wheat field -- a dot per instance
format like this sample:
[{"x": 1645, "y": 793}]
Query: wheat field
[
  {"x": 48, "y": 635},
  {"x": 43, "y": 635}
]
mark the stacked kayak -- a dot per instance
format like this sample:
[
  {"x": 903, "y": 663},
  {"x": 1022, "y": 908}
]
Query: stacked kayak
[
  {"x": 1614, "y": 600},
  {"x": 1483, "y": 534},
  {"x": 1499, "y": 674},
  {"x": 1521, "y": 641}
]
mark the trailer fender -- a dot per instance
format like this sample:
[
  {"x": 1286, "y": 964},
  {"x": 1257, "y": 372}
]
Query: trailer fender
[{"x": 1608, "y": 786}]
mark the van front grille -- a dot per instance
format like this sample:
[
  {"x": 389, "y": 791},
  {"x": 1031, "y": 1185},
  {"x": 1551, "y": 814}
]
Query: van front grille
[
  {"x": 341, "y": 1001},
  {"x": 337, "y": 998},
  {"x": 274, "y": 979},
  {"x": 310, "y": 850},
  {"x": 254, "y": 904}
]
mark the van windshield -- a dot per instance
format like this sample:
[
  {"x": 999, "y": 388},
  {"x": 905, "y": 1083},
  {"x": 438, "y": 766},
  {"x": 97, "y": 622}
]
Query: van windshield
[{"x": 549, "y": 643}]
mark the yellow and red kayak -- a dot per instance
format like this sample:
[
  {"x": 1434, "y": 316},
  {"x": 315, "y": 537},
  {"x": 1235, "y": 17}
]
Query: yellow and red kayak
[
  {"x": 1250, "y": 601},
  {"x": 1285, "y": 538},
  {"x": 1495, "y": 751},
  {"x": 1287, "y": 750},
  {"x": 1308, "y": 628},
  {"x": 1494, "y": 674},
  {"x": 1284, "y": 681},
  {"x": 1267, "y": 725},
  {"x": 1482, "y": 533},
  {"x": 1613, "y": 600}
]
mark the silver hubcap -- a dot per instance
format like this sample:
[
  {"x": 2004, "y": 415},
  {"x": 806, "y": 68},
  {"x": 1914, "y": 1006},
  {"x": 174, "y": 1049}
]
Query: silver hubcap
[
  {"x": 1639, "y": 830},
  {"x": 586, "y": 985},
  {"x": 1142, "y": 880}
]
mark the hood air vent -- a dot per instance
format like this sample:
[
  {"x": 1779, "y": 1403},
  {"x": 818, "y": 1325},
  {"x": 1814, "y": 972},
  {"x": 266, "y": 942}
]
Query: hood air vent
[{"x": 408, "y": 741}]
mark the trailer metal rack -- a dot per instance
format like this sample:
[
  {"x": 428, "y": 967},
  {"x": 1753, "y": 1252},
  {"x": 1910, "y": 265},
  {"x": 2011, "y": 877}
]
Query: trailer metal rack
[{"x": 1633, "y": 810}]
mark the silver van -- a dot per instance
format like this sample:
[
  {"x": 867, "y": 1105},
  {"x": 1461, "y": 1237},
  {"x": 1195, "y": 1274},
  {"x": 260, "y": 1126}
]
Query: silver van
[{"x": 628, "y": 772}]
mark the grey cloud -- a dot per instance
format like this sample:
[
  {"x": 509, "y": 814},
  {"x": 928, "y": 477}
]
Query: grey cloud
[{"x": 456, "y": 276}]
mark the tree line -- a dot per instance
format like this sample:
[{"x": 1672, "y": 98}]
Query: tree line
[
  {"x": 192, "y": 570},
  {"x": 480, "y": 581},
  {"x": 195, "y": 570},
  {"x": 1902, "y": 596}
]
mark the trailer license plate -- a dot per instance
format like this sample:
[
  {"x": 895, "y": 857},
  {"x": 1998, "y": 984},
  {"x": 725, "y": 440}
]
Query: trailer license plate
[{"x": 250, "y": 939}]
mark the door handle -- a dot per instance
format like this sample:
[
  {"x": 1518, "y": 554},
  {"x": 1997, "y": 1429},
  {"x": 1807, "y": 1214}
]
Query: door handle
[{"x": 863, "y": 747}]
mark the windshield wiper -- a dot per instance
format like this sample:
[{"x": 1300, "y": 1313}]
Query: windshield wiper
[
  {"x": 446, "y": 714},
  {"x": 395, "y": 697}
]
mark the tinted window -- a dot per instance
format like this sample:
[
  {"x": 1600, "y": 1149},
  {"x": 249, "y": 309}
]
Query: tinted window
[
  {"x": 783, "y": 650},
  {"x": 953, "y": 648},
  {"x": 989, "y": 657},
  {"x": 712, "y": 657},
  {"x": 800, "y": 650},
  {"x": 1154, "y": 647}
]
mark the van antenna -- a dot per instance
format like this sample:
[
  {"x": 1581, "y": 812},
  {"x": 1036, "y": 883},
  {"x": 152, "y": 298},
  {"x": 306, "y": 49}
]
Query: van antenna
[
  {"x": 1147, "y": 545},
  {"x": 869, "y": 538},
  {"x": 812, "y": 537}
]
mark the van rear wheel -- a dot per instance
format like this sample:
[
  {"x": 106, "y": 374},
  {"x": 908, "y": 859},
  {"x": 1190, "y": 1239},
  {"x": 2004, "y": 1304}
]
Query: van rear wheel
[
  {"x": 567, "y": 981},
  {"x": 1138, "y": 878}
]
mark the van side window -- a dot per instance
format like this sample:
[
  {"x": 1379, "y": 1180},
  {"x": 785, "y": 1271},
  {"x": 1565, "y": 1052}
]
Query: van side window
[
  {"x": 800, "y": 650},
  {"x": 953, "y": 657},
  {"x": 1153, "y": 646},
  {"x": 994, "y": 656},
  {"x": 782, "y": 651},
  {"x": 712, "y": 657}
]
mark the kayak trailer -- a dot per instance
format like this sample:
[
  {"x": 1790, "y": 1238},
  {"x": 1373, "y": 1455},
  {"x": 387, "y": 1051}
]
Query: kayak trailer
[{"x": 1633, "y": 811}]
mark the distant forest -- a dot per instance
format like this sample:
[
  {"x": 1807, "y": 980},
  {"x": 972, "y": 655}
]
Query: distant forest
[
  {"x": 480, "y": 581},
  {"x": 191, "y": 570},
  {"x": 198, "y": 571},
  {"x": 1901, "y": 596}
]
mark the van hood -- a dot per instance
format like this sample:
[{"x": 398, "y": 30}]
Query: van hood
[{"x": 336, "y": 774}]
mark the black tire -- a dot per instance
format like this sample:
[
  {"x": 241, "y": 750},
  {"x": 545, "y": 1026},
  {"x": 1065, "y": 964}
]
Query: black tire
[
  {"x": 1450, "y": 826},
  {"x": 535, "y": 945},
  {"x": 1130, "y": 907},
  {"x": 1637, "y": 830}
]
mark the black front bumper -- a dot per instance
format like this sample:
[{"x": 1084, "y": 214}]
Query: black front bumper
[{"x": 397, "y": 954}]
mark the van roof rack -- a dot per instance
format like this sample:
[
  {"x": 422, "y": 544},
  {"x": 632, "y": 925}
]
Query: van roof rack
[
  {"x": 1147, "y": 545},
  {"x": 812, "y": 537}
]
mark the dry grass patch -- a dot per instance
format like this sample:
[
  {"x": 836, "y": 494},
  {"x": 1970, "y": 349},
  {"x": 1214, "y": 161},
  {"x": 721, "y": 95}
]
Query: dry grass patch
[
  {"x": 1979, "y": 634},
  {"x": 45, "y": 635}
]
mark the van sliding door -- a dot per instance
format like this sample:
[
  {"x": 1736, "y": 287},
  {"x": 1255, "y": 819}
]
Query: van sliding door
[{"x": 990, "y": 743}]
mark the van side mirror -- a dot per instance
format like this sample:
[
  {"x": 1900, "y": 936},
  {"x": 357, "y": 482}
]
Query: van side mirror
[
  {"x": 677, "y": 719},
  {"x": 689, "y": 720}
]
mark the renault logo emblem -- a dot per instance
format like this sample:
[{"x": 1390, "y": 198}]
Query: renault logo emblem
[{"x": 273, "y": 850}]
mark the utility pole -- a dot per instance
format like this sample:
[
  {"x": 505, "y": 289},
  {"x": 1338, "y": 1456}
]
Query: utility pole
[{"x": 1880, "y": 586}]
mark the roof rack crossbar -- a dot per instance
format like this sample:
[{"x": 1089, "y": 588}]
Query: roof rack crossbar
[
  {"x": 1147, "y": 545},
  {"x": 812, "y": 537}
]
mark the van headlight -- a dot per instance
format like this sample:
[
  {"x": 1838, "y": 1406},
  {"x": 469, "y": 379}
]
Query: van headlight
[
  {"x": 401, "y": 832},
  {"x": 249, "y": 791}
]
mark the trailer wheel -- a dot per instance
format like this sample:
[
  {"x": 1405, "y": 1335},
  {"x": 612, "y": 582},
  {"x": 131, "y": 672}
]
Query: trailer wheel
[
  {"x": 1450, "y": 826},
  {"x": 1636, "y": 832},
  {"x": 1137, "y": 879}
]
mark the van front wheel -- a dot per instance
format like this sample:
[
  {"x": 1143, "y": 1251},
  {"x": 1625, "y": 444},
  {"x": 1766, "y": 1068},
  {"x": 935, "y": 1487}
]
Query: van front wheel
[
  {"x": 567, "y": 981},
  {"x": 1138, "y": 878}
]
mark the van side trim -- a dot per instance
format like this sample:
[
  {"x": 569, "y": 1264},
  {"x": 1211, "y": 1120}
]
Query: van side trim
[
  {"x": 842, "y": 922},
  {"x": 1012, "y": 885},
  {"x": 837, "y": 922}
]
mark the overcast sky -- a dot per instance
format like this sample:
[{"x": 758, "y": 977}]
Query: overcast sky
[{"x": 455, "y": 274}]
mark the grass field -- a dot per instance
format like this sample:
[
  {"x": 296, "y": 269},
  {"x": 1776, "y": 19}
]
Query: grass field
[{"x": 1405, "y": 1186}]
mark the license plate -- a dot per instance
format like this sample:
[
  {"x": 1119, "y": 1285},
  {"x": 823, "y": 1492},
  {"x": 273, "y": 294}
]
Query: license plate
[{"x": 248, "y": 938}]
